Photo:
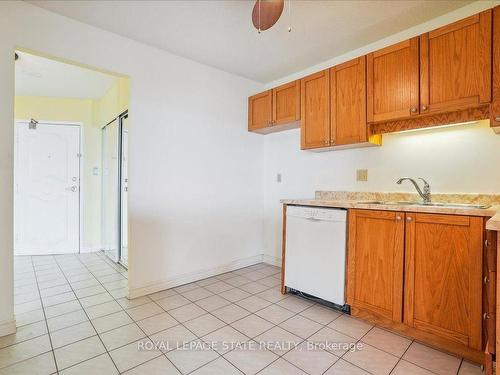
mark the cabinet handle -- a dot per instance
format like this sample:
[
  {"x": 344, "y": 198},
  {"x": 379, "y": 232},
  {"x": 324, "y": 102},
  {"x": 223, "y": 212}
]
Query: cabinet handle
[
  {"x": 486, "y": 280},
  {"x": 486, "y": 316},
  {"x": 398, "y": 218},
  {"x": 413, "y": 110},
  {"x": 424, "y": 108},
  {"x": 409, "y": 218},
  {"x": 497, "y": 119}
]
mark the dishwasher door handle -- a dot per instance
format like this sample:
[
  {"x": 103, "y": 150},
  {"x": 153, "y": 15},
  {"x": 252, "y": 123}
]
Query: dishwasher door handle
[{"x": 313, "y": 219}]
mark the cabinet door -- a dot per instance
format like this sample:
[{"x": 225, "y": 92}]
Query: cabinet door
[
  {"x": 443, "y": 276},
  {"x": 392, "y": 82},
  {"x": 455, "y": 65},
  {"x": 260, "y": 110},
  {"x": 495, "y": 105},
  {"x": 375, "y": 262},
  {"x": 286, "y": 103},
  {"x": 348, "y": 102},
  {"x": 315, "y": 110}
]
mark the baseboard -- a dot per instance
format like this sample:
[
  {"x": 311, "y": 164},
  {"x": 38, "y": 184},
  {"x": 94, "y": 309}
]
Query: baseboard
[
  {"x": 90, "y": 249},
  {"x": 7, "y": 327},
  {"x": 194, "y": 276},
  {"x": 271, "y": 260}
]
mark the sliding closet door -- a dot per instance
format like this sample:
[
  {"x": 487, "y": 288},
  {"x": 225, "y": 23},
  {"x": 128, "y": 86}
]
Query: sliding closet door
[
  {"x": 124, "y": 191},
  {"x": 110, "y": 192}
]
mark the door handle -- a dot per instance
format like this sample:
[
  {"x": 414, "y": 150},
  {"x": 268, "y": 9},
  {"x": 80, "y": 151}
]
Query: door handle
[{"x": 73, "y": 188}]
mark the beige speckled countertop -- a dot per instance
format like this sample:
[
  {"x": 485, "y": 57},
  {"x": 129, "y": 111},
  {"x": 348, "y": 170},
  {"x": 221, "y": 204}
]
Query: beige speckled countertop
[{"x": 362, "y": 200}]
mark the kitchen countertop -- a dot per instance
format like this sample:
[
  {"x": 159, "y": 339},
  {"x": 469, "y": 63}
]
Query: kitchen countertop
[{"x": 362, "y": 201}]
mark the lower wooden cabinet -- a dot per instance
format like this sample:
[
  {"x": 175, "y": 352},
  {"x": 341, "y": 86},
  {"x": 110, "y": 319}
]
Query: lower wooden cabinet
[
  {"x": 443, "y": 276},
  {"x": 419, "y": 273},
  {"x": 375, "y": 262}
]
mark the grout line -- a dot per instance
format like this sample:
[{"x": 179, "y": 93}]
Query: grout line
[
  {"x": 90, "y": 321},
  {"x": 46, "y": 324}
]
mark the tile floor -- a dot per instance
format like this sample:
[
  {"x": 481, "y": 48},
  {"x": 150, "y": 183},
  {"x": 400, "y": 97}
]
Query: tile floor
[{"x": 74, "y": 318}]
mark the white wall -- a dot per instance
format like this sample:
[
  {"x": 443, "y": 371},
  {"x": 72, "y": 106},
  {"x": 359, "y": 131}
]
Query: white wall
[
  {"x": 461, "y": 159},
  {"x": 195, "y": 172}
]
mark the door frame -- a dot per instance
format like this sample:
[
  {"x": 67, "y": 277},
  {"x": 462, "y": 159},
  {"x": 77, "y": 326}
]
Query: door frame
[{"x": 80, "y": 169}]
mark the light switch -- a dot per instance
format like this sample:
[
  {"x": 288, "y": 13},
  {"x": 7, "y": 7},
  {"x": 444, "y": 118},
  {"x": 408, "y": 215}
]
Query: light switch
[
  {"x": 278, "y": 178},
  {"x": 362, "y": 175}
]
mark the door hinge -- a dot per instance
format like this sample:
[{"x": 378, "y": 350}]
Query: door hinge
[
  {"x": 486, "y": 244},
  {"x": 32, "y": 125},
  {"x": 79, "y": 155}
]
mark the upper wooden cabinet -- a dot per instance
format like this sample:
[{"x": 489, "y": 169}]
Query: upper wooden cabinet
[
  {"x": 315, "y": 110},
  {"x": 275, "y": 110},
  {"x": 260, "y": 110},
  {"x": 375, "y": 262},
  {"x": 455, "y": 65},
  {"x": 495, "y": 104},
  {"x": 392, "y": 82},
  {"x": 443, "y": 276},
  {"x": 348, "y": 103},
  {"x": 286, "y": 103}
]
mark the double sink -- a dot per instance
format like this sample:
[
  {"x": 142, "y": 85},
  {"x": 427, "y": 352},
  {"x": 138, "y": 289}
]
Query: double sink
[{"x": 431, "y": 204}]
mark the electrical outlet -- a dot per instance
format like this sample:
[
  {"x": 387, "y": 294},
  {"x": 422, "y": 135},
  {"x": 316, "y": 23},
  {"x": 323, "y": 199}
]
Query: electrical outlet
[
  {"x": 362, "y": 175},
  {"x": 278, "y": 178}
]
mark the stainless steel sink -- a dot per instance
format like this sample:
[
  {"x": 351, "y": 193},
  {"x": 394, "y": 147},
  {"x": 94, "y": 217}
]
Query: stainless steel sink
[{"x": 437, "y": 204}]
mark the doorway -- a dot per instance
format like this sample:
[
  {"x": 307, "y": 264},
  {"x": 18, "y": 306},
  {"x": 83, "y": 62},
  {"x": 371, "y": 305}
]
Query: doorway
[
  {"x": 115, "y": 189},
  {"x": 47, "y": 188}
]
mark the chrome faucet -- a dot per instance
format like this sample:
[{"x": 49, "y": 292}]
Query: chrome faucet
[{"x": 426, "y": 194}]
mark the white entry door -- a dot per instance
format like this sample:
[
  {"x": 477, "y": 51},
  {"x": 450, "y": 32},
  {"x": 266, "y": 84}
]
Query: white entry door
[{"x": 47, "y": 189}]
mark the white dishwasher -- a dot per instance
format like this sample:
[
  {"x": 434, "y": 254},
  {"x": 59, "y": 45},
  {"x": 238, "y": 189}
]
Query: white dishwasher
[{"x": 315, "y": 252}]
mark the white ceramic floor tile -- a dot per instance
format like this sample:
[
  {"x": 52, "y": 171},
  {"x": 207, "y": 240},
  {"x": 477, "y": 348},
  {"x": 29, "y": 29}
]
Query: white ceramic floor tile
[
  {"x": 281, "y": 367},
  {"x": 24, "y": 350},
  {"x": 78, "y": 352},
  {"x": 431, "y": 359},
  {"x": 204, "y": 324},
  {"x": 217, "y": 367},
  {"x": 43, "y": 364},
  {"x": 172, "y": 338},
  {"x": 253, "y": 303},
  {"x": 187, "y": 312},
  {"x": 225, "y": 339},
  {"x": 387, "y": 341},
  {"x": 132, "y": 355},
  {"x": 157, "y": 323},
  {"x": 320, "y": 314},
  {"x": 173, "y": 302},
  {"x": 101, "y": 365},
  {"x": 66, "y": 320},
  {"x": 342, "y": 367},
  {"x": 103, "y": 309},
  {"x": 301, "y": 326},
  {"x": 278, "y": 340},
  {"x": 72, "y": 334},
  {"x": 230, "y": 313},
  {"x": 338, "y": 343},
  {"x": 24, "y": 333},
  {"x": 122, "y": 336},
  {"x": 188, "y": 360},
  {"x": 158, "y": 366},
  {"x": 371, "y": 359},
  {"x": 250, "y": 360},
  {"x": 234, "y": 295},
  {"x": 406, "y": 368},
  {"x": 468, "y": 368},
  {"x": 275, "y": 314},
  {"x": 252, "y": 325},
  {"x": 351, "y": 326},
  {"x": 111, "y": 321},
  {"x": 313, "y": 361},
  {"x": 212, "y": 303}
]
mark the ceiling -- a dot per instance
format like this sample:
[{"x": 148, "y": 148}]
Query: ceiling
[
  {"x": 220, "y": 33},
  {"x": 39, "y": 76}
]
